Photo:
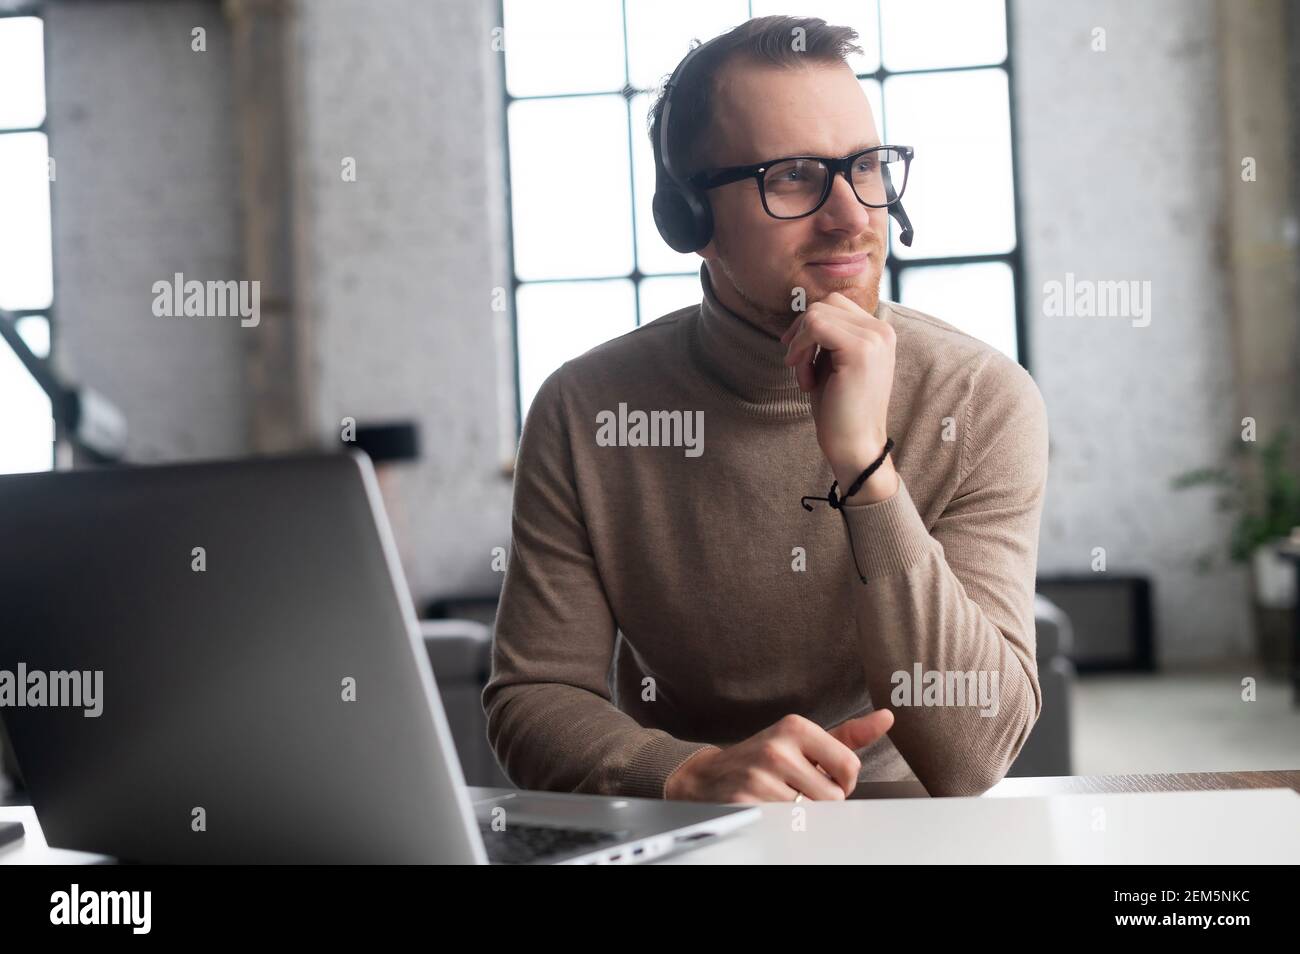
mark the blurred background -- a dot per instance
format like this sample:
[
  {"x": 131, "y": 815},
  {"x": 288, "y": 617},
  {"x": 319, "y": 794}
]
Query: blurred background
[{"x": 385, "y": 170}]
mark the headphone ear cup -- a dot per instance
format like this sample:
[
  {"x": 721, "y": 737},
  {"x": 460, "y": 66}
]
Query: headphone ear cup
[
  {"x": 684, "y": 221},
  {"x": 701, "y": 219}
]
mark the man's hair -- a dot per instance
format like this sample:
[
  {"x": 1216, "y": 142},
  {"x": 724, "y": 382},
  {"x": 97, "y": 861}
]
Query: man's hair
[{"x": 780, "y": 41}]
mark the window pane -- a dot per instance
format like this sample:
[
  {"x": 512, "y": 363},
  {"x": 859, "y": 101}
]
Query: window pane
[
  {"x": 659, "y": 33},
  {"x": 563, "y": 46},
  {"x": 859, "y": 14},
  {"x": 872, "y": 89},
  {"x": 570, "y": 187},
  {"x": 979, "y": 299},
  {"x": 560, "y": 321},
  {"x": 26, "y": 275},
  {"x": 959, "y": 194},
  {"x": 22, "y": 72},
  {"x": 35, "y": 332},
  {"x": 27, "y": 438},
  {"x": 924, "y": 34},
  {"x": 662, "y": 296}
]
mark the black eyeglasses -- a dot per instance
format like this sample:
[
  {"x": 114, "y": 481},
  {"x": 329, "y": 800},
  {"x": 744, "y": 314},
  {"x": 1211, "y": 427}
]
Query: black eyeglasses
[{"x": 796, "y": 186}]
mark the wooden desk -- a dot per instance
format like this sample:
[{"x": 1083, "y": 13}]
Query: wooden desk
[{"x": 1182, "y": 782}]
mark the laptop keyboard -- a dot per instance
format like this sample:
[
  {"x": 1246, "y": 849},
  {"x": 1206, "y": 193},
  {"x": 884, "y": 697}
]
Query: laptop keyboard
[{"x": 520, "y": 844}]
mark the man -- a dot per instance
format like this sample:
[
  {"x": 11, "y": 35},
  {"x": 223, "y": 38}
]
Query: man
[{"x": 754, "y": 644}]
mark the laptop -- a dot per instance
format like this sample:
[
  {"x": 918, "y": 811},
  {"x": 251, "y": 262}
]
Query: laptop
[{"x": 220, "y": 662}]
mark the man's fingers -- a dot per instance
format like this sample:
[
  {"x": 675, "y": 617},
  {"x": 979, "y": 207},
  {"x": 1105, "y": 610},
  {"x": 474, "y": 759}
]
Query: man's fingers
[
  {"x": 847, "y": 304},
  {"x": 814, "y": 781},
  {"x": 772, "y": 788},
  {"x": 803, "y": 332},
  {"x": 829, "y": 330},
  {"x": 818, "y": 332},
  {"x": 821, "y": 750},
  {"x": 860, "y": 732}
]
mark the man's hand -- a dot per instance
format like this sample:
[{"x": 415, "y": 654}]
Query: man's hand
[
  {"x": 795, "y": 755},
  {"x": 844, "y": 356}
]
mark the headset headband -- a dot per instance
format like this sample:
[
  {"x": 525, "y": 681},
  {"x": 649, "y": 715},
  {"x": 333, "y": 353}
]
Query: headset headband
[{"x": 670, "y": 87}]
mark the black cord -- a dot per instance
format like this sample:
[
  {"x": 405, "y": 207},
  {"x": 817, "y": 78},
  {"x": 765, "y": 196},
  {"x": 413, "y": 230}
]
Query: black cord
[{"x": 837, "y": 502}]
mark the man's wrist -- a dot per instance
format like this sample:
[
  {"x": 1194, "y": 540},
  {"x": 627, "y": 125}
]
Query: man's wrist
[
  {"x": 677, "y": 785},
  {"x": 881, "y": 485}
]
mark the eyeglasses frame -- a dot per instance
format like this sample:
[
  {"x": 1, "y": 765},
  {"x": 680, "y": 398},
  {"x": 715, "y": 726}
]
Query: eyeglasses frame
[{"x": 713, "y": 178}]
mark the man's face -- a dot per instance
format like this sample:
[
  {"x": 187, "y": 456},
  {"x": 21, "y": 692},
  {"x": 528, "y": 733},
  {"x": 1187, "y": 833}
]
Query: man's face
[{"x": 756, "y": 262}]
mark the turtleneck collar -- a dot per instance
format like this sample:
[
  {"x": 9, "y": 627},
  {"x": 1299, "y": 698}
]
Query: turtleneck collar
[{"x": 743, "y": 362}]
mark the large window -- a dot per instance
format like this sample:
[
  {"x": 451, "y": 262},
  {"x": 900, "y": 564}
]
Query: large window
[
  {"x": 580, "y": 79},
  {"x": 26, "y": 273}
]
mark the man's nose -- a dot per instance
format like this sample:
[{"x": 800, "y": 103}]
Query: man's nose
[{"x": 842, "y": 208}]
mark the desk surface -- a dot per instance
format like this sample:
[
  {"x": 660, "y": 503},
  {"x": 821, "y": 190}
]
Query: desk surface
[
  {"x": 1060, "y": 824},
  {"x": 1098, "y": 784},
  {"x": 1254, "y": 826}
]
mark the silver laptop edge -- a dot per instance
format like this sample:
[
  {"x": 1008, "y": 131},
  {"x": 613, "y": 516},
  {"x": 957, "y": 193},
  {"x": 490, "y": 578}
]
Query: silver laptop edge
[{"x": 441, "y": 727}]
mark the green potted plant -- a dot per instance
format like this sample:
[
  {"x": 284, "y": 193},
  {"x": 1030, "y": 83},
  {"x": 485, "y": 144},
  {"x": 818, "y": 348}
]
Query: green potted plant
[{"x": 1263, "y": 490}]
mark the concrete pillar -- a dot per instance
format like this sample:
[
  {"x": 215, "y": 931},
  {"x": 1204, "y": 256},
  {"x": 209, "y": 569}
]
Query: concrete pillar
[
  {"x": 1260, "y": 222},
  {"x": 278, "y": 353}
]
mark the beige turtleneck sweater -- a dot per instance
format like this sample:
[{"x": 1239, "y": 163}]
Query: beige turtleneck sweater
[{"x": 658, "y": 599}]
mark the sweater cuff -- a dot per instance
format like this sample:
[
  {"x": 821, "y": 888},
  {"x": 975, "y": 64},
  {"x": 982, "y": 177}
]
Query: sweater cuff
[
  {"x": 649, "y": 769},
  {"x": 887, "y": 536}
]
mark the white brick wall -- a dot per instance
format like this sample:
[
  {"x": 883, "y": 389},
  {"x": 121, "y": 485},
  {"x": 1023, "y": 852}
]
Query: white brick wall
[
  {"x": 398, "y": 267},
  {"x": 1130, "y": 407},
  {"x": 141, "y": 131}
]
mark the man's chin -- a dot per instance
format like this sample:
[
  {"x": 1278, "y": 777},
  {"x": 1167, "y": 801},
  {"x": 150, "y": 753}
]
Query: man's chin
[{"x": 863, "y": 288}]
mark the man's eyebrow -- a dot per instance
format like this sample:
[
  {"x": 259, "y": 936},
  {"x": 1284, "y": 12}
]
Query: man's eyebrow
[
  {"x": 853, "y": 150},
  {"x": 861, "y": 147}
]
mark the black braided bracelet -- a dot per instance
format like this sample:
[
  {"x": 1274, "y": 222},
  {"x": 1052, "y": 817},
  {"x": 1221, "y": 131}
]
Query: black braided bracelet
[{"x": 838, "y": 502}]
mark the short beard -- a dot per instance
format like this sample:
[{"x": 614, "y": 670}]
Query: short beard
[
  {"x": 866, "y": 296},
  {"x": 775, "y": 317}
]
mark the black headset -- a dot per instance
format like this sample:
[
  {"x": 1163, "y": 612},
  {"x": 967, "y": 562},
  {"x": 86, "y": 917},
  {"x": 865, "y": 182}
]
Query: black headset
[{"x": 682, "y": 213}]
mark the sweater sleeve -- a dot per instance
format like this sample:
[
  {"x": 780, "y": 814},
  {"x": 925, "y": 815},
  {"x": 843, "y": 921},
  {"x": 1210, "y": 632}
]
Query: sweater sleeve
[
  {"x": 958, "y": 598},
  {"x": 550, "y": 718}
]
